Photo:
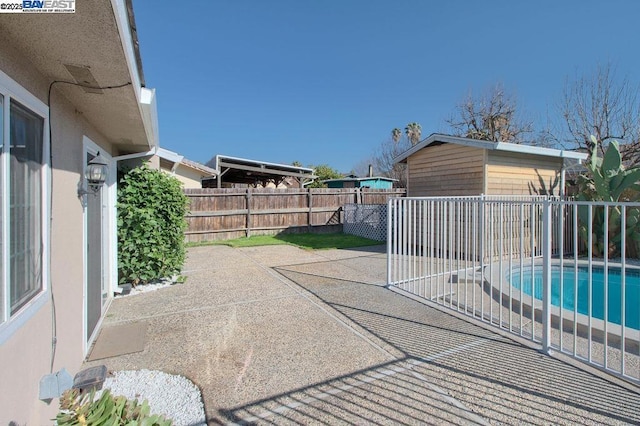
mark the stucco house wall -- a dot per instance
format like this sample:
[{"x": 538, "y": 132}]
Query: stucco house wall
[
  {"x": 27, "y": 347},
  {"x": 28, "y": 350},
  {"x": 189, "y": 173},
  {"x": 188, "y": 177}
]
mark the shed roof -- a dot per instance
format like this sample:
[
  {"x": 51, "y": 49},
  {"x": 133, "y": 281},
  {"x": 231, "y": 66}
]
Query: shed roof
[{"x": 495, "y": 146}]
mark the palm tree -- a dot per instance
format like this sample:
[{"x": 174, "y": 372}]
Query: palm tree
[
  {"x": 413, "y": 132},
  {"x": 396, "y": 134}
]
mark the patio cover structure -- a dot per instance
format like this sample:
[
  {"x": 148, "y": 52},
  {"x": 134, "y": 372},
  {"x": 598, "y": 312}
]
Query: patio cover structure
[{"x": 232, "y": 170}]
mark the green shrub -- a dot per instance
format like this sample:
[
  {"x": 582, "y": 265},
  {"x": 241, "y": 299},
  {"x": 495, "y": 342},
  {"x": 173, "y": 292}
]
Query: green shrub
[
  {"x": 151, "y": 225},
  {"x": 84, "y": 409}
]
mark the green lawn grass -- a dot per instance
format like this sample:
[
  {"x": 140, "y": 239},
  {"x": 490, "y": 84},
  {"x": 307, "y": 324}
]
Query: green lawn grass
[{"x": 306, "y": 241}]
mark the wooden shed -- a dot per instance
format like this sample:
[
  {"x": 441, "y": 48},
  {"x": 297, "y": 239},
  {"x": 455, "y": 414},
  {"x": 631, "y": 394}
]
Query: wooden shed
[{"x": 443, "y": 165}]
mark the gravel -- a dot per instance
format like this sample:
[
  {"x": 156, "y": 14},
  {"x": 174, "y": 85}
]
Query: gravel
[
  {"x": 153, "y": 286},
  {"x": 175, "y": 397}
]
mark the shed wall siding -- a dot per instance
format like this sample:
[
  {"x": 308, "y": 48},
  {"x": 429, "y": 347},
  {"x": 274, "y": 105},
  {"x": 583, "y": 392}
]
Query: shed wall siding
[
  {"x": 445, "y": 170},
  {"x": 522, "y": 174}
]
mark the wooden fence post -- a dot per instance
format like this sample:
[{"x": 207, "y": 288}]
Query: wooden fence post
[
  {"x": 310, "y": 204},
  {"x": 248, "y": 197}
]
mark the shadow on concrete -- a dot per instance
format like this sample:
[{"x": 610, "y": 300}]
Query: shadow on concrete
[
  {"x": 370, "y": 249},
  {"x": 493, "y": 376},
  {"x": 390, "y": 393}
]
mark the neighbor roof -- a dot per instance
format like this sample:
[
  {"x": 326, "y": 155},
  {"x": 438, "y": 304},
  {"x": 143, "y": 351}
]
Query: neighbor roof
[
  {"x": 178, "y": 159},
  {"x": 355, "y": 179},
  {"x": 174, "y": 157},
  {"x": 497, "y": 146},
  {"x": 200, "y": 167},
  {"x": 244, "y": 170}
]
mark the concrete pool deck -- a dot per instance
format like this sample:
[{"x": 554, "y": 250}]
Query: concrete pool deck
[{"x": 280, "y": 335}]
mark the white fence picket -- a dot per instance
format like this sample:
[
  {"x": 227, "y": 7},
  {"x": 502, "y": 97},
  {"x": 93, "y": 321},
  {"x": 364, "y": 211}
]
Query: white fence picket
[{"x": 484, "y": 257}]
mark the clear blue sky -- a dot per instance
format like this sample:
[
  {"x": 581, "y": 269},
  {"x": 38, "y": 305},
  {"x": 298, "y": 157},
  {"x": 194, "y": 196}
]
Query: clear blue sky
[{"x": 324, "y": 82}]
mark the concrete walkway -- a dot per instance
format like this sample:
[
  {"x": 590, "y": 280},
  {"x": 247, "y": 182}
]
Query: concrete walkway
[{"x": 279, "y": 335}]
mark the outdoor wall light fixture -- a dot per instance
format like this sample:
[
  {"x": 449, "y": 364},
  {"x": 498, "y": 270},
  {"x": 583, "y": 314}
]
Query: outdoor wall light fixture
[{"x": 95, "y": 176}]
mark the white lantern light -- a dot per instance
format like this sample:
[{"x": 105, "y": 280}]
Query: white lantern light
[{"x": 95, "y": 175}]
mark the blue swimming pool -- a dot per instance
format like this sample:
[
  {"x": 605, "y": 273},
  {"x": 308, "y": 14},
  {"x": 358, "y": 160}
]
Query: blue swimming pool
[{"x": 614, "y": 294}]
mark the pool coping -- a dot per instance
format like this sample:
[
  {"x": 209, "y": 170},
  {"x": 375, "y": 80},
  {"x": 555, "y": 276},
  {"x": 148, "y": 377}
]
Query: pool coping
[{"x": 493, "y": 275}]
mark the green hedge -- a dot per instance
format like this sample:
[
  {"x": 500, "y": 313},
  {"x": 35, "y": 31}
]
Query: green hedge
[{"x": 151, "y": 225}]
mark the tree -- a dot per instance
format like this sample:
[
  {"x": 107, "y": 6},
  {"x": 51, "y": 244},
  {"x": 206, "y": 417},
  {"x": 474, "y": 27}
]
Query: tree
[
  {"x": 491, "y": 117},
  {"x": 324, "y": 172},
  {"x": 361, "y": 168},
  {"x": 602, "y": 106},
  {"x": 396, "y": 134},
  {"x": 413, "y": 132},
  {"x": 383, "y": 160}
]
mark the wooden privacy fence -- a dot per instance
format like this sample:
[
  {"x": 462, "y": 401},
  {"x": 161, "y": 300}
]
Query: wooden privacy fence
[{"x": 219, "y": 214}]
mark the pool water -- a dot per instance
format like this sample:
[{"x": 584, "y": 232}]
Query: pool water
[{"x": 614, "y": 302}]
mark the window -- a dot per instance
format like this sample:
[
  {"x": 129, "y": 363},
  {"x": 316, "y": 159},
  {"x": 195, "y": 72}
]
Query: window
[
  {"x": 25, "y": 204},
  {"x": 23, "y": 172}
]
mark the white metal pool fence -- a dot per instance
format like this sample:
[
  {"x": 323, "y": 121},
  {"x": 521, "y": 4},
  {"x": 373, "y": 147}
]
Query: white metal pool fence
[{"x": 563, "y": 274}]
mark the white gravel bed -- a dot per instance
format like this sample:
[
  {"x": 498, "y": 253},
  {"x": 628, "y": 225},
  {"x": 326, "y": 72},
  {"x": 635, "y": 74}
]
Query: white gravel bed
[
  {"x": 144, "y": 288},
  {"x": 172, "y": 396}
]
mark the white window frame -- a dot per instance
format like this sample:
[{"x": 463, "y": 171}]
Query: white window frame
[{"x": 12, "y": 91}]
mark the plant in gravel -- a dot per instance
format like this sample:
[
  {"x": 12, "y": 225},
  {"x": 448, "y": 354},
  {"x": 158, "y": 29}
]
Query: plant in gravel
[
  {"x": 151, "y": 225},
  {"x": 84, "y": 409},
  {"x": 609, "y": 180}
]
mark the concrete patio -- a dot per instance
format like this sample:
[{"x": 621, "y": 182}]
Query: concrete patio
[{"x": 280, "y": 335}]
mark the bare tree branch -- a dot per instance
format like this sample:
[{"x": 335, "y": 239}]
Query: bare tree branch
[
  {"x": 388, "y": 150},
  {"x": 491, "y": 117},
  {"x": 605, "y": 107}
]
